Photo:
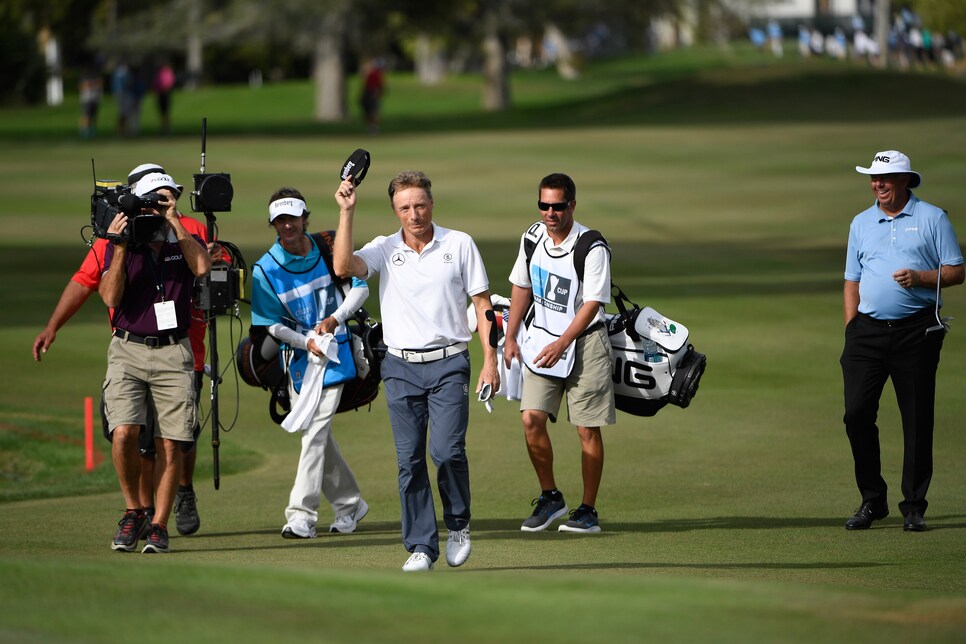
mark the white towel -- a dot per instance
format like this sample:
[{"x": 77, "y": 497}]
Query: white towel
[
  {"x": 308, "y": 401},
  {"x": 511, "y": 380}
]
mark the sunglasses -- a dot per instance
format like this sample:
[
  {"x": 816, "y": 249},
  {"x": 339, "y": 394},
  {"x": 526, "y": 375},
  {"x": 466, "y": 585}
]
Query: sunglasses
[{"x": 560, "y": 206}]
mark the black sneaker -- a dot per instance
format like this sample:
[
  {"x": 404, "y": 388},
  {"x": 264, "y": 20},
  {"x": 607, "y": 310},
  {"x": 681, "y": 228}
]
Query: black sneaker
[
  {"x": 130, "y": 528},
  {"x": 547, "y": 510},
  {"x": 157, "y": 540},
  {"x": 583, "y": 519},
  {"x": 186, "y": 518}
]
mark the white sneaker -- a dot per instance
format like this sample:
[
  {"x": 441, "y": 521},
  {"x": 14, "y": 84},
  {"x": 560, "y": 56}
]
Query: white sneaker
[
  {"x": 458, "y": 547},
  {"x": 298, "y": 529},
  {"x": 418, "y": 562},
  {"x": 346, "y": 523}
]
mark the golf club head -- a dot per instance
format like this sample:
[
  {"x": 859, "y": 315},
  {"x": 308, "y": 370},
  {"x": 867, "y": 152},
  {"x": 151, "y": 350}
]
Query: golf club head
[
  {"x": 356, "y": 166},
  {"x": 943, "y": 325}
]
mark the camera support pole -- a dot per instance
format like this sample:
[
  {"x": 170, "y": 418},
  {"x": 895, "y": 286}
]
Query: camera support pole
[
  {"x": 215, "y": 371},
  {"x": 212, "y": 337}
]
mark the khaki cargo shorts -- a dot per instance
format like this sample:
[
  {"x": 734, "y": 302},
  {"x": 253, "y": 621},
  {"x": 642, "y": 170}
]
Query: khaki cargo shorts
[
  {"x": 167, "y": 372},
  {"x": 589, "y": 387}
]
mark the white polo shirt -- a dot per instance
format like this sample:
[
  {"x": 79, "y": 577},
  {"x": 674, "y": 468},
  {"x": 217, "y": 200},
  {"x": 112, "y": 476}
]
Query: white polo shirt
[{"x": 423, "y": 296}]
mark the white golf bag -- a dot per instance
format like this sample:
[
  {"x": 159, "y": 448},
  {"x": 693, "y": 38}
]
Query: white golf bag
[{"x": 653, "y": 362}]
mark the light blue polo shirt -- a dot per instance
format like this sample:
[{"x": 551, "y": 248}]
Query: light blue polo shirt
[{"x": 918, "y": 238}]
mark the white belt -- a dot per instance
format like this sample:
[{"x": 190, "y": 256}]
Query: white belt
[{"x": 428, "y": 355}]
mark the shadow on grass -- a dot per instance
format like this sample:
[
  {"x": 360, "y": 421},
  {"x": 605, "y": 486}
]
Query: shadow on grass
[
  {"x": 507, "y": 528},
  {"x": 653, "y": 565}
]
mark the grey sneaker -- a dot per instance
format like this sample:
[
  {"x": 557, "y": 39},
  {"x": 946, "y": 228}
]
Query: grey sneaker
[
  {"x": 132, "y": 526},
  {"x": 346, "y": 523},
  {"x": 186, "y": 512},
  {"x": 583, "y": 519},
  {"x": 157, "y": 540},
  {"x": 546, "y": 512}
]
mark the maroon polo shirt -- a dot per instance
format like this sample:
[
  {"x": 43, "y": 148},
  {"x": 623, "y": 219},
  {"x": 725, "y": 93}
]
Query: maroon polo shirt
[{"x": 151, "y": 280}]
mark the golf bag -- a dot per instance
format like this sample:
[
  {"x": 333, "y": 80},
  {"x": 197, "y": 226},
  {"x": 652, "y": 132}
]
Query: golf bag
[
  {"x": 653, "y": 362},
  {"x": 653, "y": 365},
  {"x": 261, "y": 363},
  {"x": 261, "y": 360}
]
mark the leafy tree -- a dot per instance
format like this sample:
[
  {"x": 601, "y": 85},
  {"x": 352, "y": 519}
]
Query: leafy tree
[
  {"x": 942, "y": 15},
  {"x": 22, "y": 68},
  {"x": 315, "y": 28}
]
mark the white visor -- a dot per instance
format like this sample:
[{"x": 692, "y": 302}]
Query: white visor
[{"x": 286, "y": 206}]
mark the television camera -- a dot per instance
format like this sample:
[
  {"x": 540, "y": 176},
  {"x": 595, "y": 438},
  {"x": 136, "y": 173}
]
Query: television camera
[{"x": 113, "y": 197}]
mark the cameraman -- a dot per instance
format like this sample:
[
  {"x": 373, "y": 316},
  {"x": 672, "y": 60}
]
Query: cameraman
[
  {"x": 86, "y": 281},
  {"x": 149, "y": 286}
]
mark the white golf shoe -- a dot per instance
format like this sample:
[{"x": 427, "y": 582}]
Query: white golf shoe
[
  {"x": 458, "y": 547},
  {"x": 298, "y": 529},
  {"x": 418, "y": 562}
]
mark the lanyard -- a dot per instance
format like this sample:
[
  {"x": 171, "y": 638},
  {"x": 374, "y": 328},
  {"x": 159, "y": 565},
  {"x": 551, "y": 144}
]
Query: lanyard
[{"x": 157, "y": 272}]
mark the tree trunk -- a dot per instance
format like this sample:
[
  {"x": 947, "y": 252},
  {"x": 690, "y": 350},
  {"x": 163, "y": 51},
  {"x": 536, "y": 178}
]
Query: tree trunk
[
  {"x": 496, "y": 83},
  {"x": 880, "y": 27},
  {"x": 194, "y": 66},
  {"x": 327, "y": 75},
  {"x": 429, "y": 62}
]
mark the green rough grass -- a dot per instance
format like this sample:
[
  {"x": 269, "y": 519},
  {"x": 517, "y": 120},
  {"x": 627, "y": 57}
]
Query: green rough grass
[{"x": 722, "y": 522}]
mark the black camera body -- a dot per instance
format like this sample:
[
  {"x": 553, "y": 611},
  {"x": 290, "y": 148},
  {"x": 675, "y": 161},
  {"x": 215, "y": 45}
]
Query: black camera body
[
  {"x": 213, "y": 192},
  {"x": 113, "y": 197},
  {"x": 219, "y": 291}
]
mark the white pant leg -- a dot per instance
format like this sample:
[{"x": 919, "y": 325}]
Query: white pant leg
[
  {"x": 339, "y": 484},
  {"x": 321, "y": 468}
]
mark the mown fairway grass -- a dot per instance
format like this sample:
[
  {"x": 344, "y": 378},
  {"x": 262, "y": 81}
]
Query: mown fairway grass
[{"x": 722, "y": 522}]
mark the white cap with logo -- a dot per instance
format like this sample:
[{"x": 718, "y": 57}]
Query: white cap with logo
[
  {"x": 154, "y": 182},
  {"x": 891, "y": 162}
]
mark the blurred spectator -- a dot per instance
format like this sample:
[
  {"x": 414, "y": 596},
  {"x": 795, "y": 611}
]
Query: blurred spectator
[
  {"x": 373, "y": 88},
  {"x": 954, "y": 43},
  {"x": 836, "y": 45},
  {"x": 163, "y": 86},
  {"x": 915, "y": 43},
  {"x": 927, "y": 54},
  {"x": 804, "y": 41},
  {"x": 128, "y": 86},
  {"x": 91, "y": 88},
  {"x": 775, "y": 38},
  {"x": 757, "y": 38},
  {"x": 817, "y": 42}
]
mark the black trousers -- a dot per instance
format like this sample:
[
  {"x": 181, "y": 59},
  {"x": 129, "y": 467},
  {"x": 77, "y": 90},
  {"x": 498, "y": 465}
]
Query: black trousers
[{"x": 876, "y": 350}]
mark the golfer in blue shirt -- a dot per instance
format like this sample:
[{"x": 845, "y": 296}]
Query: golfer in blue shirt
[{"x": 898, "y": 250}]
